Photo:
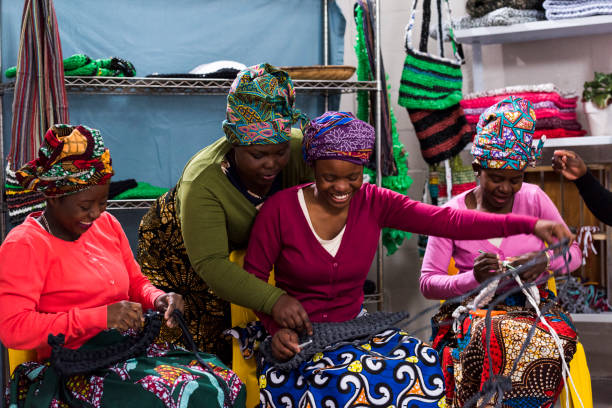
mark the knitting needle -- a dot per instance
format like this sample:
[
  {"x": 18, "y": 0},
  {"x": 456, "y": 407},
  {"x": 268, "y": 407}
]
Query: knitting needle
[{"x": 304, "y": 344}]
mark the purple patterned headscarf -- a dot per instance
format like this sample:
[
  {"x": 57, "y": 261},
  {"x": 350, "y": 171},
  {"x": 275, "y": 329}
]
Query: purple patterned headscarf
[{"x": 338, "y": 135}]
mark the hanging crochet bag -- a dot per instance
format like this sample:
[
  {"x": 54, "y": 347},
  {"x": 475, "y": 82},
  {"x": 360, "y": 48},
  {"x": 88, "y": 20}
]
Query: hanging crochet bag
[
  {"x": 431, "y": 90},
  {"x": 430, "y": 81}
]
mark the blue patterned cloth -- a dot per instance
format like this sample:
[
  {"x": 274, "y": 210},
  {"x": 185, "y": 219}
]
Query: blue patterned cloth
[{"x": 391, "y": 369}]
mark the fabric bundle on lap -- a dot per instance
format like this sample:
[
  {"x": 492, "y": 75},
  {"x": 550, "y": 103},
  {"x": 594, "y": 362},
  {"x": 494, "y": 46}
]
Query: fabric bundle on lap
[
  {"x": 561, "y": 9},
  {"x": 431, "y": 90}
]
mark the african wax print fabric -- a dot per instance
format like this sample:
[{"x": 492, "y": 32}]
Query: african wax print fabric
[
  {"x": 391, "y": 369},
  {"x": 338, "y": 135},
  {"x": 537, "y": 379},
  {"x": 164, "y": 260},
  {"x": 72, "y": 158},
  {"x": 163, "y": 377},
  {"x": 261, "y": 107},
  {"x": 504, "y": 136}
]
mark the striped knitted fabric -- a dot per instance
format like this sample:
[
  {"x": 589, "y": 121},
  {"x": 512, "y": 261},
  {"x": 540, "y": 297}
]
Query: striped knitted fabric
[
  {"x": 429, "y": 83},
  {"x": 561, "y": 9},
  {"x": 442, "y": 133},
  {"x": 20, "y": 202},
  {"x": 537, "y": 105},
  {"x": 40, "y": 95}
]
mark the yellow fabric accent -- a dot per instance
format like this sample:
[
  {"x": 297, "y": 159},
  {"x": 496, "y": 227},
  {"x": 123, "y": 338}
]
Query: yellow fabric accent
[
  {"x": 579, "y": 371},
  {"x": 245, "y": 369},
  {"x": 17, "y": 357}
]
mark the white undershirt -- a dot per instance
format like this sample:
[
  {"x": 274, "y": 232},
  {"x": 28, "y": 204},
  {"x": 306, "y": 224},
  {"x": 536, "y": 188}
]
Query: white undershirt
[
  {"x": 330, "y": 245},
  {"x": 496, "y": 241}
]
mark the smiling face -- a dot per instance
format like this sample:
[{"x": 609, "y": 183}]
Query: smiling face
[
  {"x": 70, "y": 216},
  {"x": 336, "y": 182},
  {"x": 499, "y": 187},
  {"x": 258, "y": 165}
]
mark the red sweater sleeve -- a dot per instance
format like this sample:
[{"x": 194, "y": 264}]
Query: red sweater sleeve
[
  {"x": 400, "y": 212},
  {"x": 263, "y": 250},
  {"x": 141, "y": 290},
  {"x": 23, "y": 271}
]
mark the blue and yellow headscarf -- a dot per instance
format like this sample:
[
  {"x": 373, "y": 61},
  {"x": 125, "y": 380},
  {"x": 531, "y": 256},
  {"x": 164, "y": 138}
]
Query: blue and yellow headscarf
[
  {"x": 504, "y": 136},
  {"x": 261, "y": 107}
]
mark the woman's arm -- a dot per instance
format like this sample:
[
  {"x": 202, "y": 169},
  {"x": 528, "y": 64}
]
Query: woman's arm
[
  {"x": 596, "y": 197},
  {"x": 400, "y": 212},
  {"x": 435, "y": 282},
  {"x": 204, "y": 232},
  {"x": 548, "y": 211},
  {"x": 23, "y": 271}
]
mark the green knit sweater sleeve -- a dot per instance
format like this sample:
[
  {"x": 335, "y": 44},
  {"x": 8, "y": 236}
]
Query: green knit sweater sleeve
[{"x": 204, "y": 230}]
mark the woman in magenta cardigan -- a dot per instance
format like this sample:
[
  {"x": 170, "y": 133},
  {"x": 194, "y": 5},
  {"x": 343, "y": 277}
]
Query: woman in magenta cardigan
[
  {"x": 321, "y": 239},
  {"x": 502, "y": 150}
]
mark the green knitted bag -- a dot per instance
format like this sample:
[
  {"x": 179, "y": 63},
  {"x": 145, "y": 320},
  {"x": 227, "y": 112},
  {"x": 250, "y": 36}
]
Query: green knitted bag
[{"x": 430, "y": 81}]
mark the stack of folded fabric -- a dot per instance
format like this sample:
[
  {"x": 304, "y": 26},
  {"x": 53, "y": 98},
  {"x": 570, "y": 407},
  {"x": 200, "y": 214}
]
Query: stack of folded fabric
[
  {"x": 560, "y": 9},
  {"x": 555, "y": 110},
  {"x": 462, "y": 179}
]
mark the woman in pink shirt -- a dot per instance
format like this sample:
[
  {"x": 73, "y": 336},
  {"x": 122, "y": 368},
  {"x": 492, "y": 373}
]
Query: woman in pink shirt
[
  {"x": 69, "y": 271},
  {"x": 502, "y": 150},
  {"x": 321, "y": 239}
]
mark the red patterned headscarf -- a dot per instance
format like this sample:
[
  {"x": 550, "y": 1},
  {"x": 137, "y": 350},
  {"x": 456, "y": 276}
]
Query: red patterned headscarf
[
  {"x": 338, "y": 135},
  {"x": 71, "y": 159}
]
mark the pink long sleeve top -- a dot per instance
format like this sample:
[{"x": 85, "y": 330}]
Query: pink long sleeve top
[
  {"x": 48, "y": 285},
  {"x": 330, "y": 288},
  {"x": 435, "y": 282}
]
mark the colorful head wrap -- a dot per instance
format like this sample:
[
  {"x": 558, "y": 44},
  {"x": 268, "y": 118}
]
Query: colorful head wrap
[
  {"x": 260, "y": 107},
  {"x": 504, "y": 136},
  {"x": 71, "y": 158},
  {"x": 338, "y": 135}
]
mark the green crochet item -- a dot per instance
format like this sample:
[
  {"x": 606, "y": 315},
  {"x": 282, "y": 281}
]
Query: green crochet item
[
  {"x": 143, "y": 190},
  {"x": 82, "y": 65},
  {"x": 400, "y": 183}
]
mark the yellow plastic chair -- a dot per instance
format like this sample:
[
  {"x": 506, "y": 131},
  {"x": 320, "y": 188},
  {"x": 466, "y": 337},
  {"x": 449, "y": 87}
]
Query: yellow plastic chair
[
  {"x": 246, "y": 369},
  {"x": 16, "y": 357},
  {"x": 579, "y": 370}
]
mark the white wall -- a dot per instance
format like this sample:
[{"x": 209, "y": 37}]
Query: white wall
[{"x": 566, "y": 62}]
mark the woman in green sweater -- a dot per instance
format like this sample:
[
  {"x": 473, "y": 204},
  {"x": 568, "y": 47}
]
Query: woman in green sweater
[{"x": 187, "y": 235}]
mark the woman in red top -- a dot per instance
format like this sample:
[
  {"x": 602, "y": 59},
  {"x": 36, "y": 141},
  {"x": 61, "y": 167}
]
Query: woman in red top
[
  {"x": 321, "y": 239},
  {"x": 70, "y": 270}
]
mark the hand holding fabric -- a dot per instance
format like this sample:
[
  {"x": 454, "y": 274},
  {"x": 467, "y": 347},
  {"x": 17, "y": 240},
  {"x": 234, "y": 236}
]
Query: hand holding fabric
[
  {"x": 288, "y": 312},
  {"x": 486, "y": 265},
  {"x": 124, "y": 315},
  {"x": 285, "y": 344},
  {"x": 166, "y": 303},
  {"x": 569, "y": 164}
]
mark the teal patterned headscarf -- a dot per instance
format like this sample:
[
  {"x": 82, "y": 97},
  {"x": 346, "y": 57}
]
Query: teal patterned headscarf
[
  {"x": 504, "y": 136},
  {"x": 261, "y": 107}
]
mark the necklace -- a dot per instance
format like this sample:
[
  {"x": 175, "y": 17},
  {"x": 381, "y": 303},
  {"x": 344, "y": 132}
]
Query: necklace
[{"x": 46, "y": 223}]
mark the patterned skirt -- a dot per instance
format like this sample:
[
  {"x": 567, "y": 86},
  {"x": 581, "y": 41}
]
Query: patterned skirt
[
  {"x": 163, "y": 259},
  {"x": 391, "y": 369},
  {"x": 164, "y": 377},
  {"x": 537, "y": 376}
]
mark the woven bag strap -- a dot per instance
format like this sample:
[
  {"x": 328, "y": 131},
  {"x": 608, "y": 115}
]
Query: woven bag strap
[{"x": 457, "y": 51}]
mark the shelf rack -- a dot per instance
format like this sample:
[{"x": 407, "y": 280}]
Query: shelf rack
[
  {"x": 524, "y": 32},
  {"x": 187, "y": 86}
]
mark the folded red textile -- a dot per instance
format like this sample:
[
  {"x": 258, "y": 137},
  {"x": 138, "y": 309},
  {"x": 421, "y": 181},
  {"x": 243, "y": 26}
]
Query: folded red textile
[
  {"x": 540, "y": 114},
  {"x": 533, "y": 97},
  {"x": 552, "y": 133}
]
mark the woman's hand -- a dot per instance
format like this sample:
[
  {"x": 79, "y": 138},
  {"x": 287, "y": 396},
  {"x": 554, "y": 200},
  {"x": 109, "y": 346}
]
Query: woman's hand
[
  {"x": 540, "y": 263},
  {"x": 486, "y": 265},
  {"x": 285, "y": 344},
  {"x": 552, "y": 231},
  {"x": 124, "y": 315},
  {"x": 166, "y": 304},
  {"x": 569, "y": 164},
  {"x": 288, "y": 312}
]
